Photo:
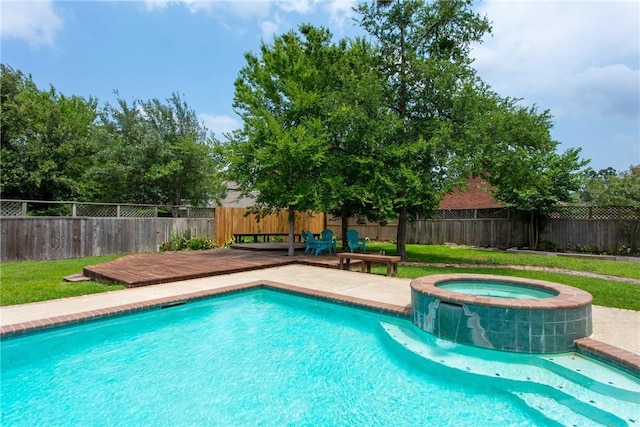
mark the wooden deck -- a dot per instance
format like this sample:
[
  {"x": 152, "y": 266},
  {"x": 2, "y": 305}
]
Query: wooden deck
[{"x": 153, "y": 268}]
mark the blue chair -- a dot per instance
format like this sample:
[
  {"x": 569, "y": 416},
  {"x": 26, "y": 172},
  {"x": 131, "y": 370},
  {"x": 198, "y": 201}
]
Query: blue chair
[
  {"x": 327, "y": 236},
  {"x": 305, "y": 239},
  {"x": 316, "y": 246},
  {"x": 355, "y": 242}
]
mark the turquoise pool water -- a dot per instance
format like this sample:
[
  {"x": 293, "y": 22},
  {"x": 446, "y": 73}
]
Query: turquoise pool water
[
  {"x": 495, "y": 289},
  {"x": 267, "y": 358}
]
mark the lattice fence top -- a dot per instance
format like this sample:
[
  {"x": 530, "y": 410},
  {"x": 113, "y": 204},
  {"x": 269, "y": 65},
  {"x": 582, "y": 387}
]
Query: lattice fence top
[
  {"x": 201, "y": 212},
  {"x": 22, "y": 208},
  {"x": 11, "y": 208},
  {"x": 597, "y": 212},
  {"x": 489, "y": 213},
  {"x": 565, "y": 212}
]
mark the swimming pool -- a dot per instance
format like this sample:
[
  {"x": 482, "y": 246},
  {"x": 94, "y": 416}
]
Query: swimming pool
[{"x": 264, "y": 357}]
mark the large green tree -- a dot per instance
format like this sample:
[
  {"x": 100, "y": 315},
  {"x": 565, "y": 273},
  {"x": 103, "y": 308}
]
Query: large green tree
[
  {"x": 608, "y": 187},
  {"x": 155, "y": 152},
  {"x": 46, "y": 140},
  {"x": 357, "y": 124},
  {"x": 280, "y": 154},
  {"x": 518, "y": 157},
  {"x": 425, "y": 65}
]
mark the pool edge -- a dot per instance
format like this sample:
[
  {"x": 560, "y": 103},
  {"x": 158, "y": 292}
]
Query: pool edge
[{"x": 622, "y": 359}]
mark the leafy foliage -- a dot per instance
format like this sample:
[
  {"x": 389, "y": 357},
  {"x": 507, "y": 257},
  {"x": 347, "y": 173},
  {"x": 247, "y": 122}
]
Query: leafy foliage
[
  {"x": 155, "y": 153},
  {"x": 607, "y": 187},
  {"x": 46, "y": 140},
  {"x": 56, "y": 147},
  {"x": 281, "y": 152},
  {"x": 425, "y": 64}
]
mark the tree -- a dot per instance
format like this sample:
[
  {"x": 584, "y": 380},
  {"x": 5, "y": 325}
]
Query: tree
[
  {"x": 155, "y": 153},
  {"x": 424, "y": 50},
  {"x": 607, "y": 187},
  {"x": 282, "y": 151},
  {"x": 46, "y": 140},
  {"x": 518, "y": 158},
  {"x": 357, "y": 123}
]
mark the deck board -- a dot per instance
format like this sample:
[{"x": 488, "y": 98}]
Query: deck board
[{"x": 153, "y": 268}]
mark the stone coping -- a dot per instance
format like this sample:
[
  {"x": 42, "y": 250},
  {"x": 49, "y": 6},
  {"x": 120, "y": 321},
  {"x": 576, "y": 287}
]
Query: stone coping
[
  {"x": 566, "y": 296},
  {"x": 9, "y": 331}
]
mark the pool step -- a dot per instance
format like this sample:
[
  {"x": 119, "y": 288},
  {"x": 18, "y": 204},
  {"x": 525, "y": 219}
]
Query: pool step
[
  {"x": 555, "y": 411},
  {"x": 584, "y": 402}
]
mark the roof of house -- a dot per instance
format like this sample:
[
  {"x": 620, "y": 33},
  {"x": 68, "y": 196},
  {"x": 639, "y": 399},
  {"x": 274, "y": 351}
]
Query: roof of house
[
  {"x": 473, "y": 197},
  {"x": 234, "y": 199}
]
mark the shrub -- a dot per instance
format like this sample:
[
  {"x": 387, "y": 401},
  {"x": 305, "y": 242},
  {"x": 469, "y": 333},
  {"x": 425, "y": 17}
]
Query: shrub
[
  {"x": 181, "y": 240},
  {"x": 199, "y": 243}
]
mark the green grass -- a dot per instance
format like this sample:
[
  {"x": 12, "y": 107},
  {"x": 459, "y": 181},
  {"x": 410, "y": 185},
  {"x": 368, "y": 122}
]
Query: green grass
[
  {"x": 443, "y": 254},
  {"x": 31, "y": 281},
  {"x": 605, "y": 292}
]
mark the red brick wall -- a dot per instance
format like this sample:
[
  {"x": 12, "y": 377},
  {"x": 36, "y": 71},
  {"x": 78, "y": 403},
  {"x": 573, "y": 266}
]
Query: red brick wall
[{"x": 471, "y": 198}]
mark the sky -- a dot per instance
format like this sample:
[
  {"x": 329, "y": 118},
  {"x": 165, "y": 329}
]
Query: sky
[{"x": 578, "y": 59}]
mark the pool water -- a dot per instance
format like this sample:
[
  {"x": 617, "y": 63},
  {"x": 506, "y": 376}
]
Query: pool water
[
  {"x": 268, "y": 358},
  {"x": 495, "y": 289}
]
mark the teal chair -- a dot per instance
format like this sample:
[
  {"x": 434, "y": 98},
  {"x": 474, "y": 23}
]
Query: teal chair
[
  {"x": 317, "y": 246},
  {"x": 305, "y": 239},
  {"x": 355, "y": 242},
  {"x": 327, "y": 236}
]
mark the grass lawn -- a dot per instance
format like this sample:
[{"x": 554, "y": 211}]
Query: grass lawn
[
  {"x": 443, "y": 254},
  {"x": 31, "y": 281},
  {"x": 605, "y": 292}
]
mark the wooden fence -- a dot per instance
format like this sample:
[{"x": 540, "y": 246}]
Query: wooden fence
[
  {"x": 497, "y": 233},
  {"x": 601, "y": 235},
  {"x": 233, "y": 220},
  {"x": 42, "y": 238}
]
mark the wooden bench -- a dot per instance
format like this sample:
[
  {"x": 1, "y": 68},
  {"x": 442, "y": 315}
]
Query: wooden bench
[
  {"x": 266, "y": 237},
  {"x": 391, "y": 261}
]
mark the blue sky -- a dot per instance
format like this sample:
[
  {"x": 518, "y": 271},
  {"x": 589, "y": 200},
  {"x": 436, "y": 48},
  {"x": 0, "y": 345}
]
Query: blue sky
[{"x": 578, "y": 59}]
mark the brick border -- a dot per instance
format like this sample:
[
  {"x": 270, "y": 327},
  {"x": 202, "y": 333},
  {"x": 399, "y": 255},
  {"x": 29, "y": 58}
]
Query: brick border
[
  {"x": 566, "y": 296},
  {"x": 10, "y": 331},
  {"x": 623, "y": 359}
]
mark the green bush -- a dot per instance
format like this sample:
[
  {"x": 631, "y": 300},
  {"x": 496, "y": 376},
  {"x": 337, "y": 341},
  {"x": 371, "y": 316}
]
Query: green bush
[
  {"x": 182, "y": 240},
  {"x": 200, "y": 243}
]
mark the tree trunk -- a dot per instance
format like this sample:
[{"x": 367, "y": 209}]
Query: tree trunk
[
  {"x": 534, "y": 229},
  {"x": 401, "y": 243},
  {"x": 344, "y": 227},
  {"x": 292, "y": 231}
]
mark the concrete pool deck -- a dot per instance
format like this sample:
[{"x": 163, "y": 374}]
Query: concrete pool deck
[{"x": 614, "y": 327}]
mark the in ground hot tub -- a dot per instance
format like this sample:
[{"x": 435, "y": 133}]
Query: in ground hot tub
[{"x": 503, "y": 313}]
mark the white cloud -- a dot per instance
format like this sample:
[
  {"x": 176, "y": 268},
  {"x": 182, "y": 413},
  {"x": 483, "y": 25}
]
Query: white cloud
[
  {"x": 340, "y": 11},
  {"x": 219, "y": 125},
  {"x": 298, "y": 6},
  {"x": 240, "y": 8},
  {"x": 612, "y": 90},
  {"x": 35, "y": 22},
  {"x": 152, "y": 5},
  {"x": 560, "y": 54},
  {"x": 269, "y": 28}
]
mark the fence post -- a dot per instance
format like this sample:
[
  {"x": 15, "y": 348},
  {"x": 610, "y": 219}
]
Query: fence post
[
  {"x": 74, "y": 210},
  {"x": 118, "y": 211},
  {"x": 24, "y": 208}
]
